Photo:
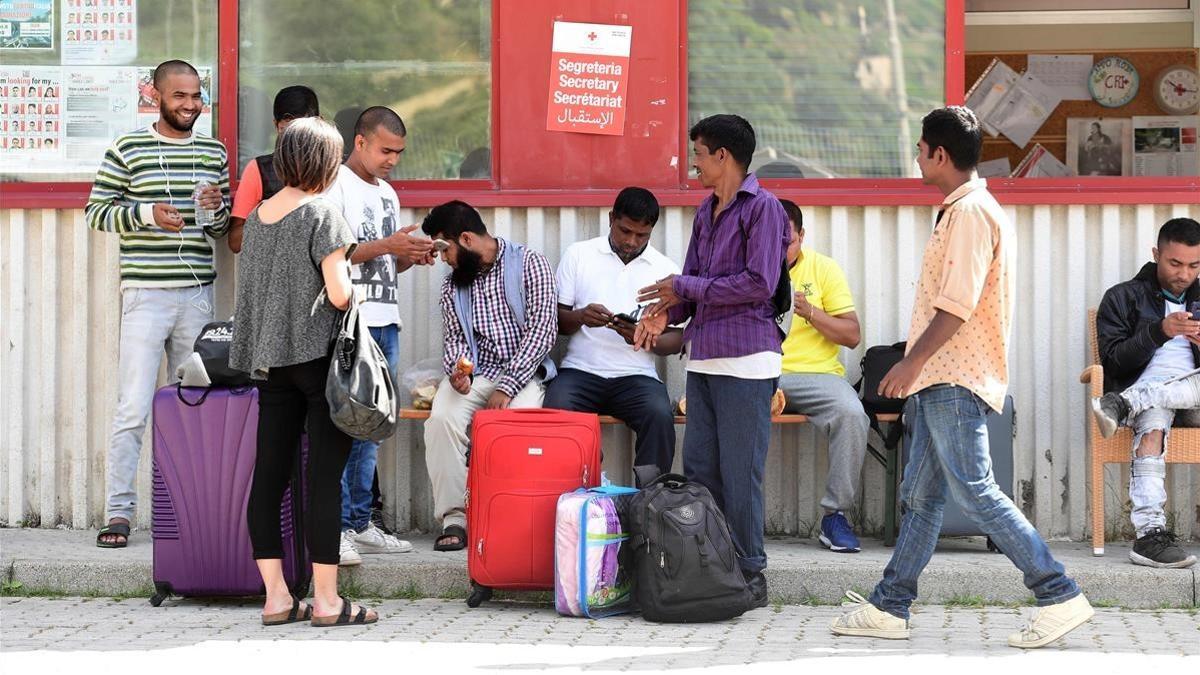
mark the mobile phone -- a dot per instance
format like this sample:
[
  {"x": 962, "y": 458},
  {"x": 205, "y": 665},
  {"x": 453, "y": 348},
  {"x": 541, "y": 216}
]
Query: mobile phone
[
  {"x": 1194, "y": 309},
  {"x": 622, "y": 316},
  {"x": 440, "y": 245}
]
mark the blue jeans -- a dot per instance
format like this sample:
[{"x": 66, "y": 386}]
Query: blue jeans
[
  {"x": 725, "y": 450},
  {"x": 360, "y": 467},
  {"x": 948, "y": 446}
]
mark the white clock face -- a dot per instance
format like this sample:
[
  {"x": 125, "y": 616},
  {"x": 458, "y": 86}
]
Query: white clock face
[{"x": 1177, "y": 91}]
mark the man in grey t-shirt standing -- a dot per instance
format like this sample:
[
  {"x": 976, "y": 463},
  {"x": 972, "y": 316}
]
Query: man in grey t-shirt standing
[{"x": 371, "y": 207}]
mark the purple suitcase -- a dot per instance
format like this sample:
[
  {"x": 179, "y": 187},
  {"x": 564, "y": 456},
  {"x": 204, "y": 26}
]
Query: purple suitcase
[{"x": 204, "y": 448}]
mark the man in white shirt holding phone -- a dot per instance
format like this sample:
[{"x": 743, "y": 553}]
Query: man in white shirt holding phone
[{"x": 598, "y": 281}]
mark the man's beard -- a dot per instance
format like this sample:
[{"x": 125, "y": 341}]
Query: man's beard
[
  {"x": 174, "y": 119},
  {"x": 469, "y": 266}
]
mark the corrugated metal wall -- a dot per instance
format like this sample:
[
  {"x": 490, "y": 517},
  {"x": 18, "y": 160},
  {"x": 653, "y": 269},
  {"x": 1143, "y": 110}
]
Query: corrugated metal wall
[{"x": 58, "y": 320}]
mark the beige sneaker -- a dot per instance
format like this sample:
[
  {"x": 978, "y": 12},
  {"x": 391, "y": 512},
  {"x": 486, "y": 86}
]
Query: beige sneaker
[
  {"x": 1052, "y": 622},
  {"x": 867, "y": 621}
]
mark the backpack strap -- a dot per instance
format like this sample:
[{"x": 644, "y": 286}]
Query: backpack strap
[
  {"x": 271, "y": 183},
  {"x": 514, "y": 283},
  {"x": 465, "y": 313},
  {"x": 780, "y": 305},
  {"x": 514, "y": 294},
  {"x": 645, "y": 474}
]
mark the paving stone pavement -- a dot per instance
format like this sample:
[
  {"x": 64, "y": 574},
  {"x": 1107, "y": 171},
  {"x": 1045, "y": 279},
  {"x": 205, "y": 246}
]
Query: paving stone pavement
[{"x": 64, "y": 634}]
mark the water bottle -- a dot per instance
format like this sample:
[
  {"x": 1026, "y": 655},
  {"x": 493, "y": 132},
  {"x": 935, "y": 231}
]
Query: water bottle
[{"x": 204, "y": 217}]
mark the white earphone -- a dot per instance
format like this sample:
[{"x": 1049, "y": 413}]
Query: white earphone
[{"x": 203, "y": 305}]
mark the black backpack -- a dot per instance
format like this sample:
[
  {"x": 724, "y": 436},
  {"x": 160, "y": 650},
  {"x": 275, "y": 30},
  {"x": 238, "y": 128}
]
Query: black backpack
[
  {"x": 876, "y": 363},
  {"x": 686, "y": 566}
]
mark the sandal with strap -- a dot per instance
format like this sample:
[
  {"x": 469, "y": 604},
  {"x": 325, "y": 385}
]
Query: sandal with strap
[
  {"x": 451, "y": 531},
  {"x": 292, "y": 616},
  {"x": 113, "y": 529},
  {"x": 343, "y": 618}
]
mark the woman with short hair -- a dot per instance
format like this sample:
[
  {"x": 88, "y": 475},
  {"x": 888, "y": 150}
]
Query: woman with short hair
[{"x": 296, "y": 245}]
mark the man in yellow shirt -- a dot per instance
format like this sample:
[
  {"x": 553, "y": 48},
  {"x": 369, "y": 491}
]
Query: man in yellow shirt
[{"x": 813, "y": 379}]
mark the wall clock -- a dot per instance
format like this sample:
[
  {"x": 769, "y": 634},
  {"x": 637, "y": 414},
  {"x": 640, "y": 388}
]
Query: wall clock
[
  {"x": 1113, "y": 82},
  {"x": 1177, "y": 90}
]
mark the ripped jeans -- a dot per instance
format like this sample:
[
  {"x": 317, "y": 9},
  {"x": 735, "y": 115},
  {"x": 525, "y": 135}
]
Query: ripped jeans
[{"x": 1152, "y": 407}]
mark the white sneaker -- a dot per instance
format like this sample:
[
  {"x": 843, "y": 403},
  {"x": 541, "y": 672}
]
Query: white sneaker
[
  {"x": 865, "y": 620},
  {"x": 373, "y": 540},
  {"x": 347, "y": 555},
  {"x": 1052, "y": 622}
]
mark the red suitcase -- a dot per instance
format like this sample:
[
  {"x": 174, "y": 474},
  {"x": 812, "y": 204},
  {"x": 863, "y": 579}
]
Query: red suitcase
[{"x": 521, "y": 461}]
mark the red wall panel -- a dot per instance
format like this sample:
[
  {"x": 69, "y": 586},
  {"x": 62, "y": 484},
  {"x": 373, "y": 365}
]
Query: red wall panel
[{"x": 530, "y": 157}]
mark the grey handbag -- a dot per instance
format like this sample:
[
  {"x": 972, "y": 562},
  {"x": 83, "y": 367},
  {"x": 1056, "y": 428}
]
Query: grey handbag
[{"x": 360, "y": 390}]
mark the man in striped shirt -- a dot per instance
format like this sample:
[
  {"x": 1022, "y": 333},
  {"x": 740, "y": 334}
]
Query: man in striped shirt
[
  {"x": 144, "y": 192},
  {"x": 499, "y": 310}
]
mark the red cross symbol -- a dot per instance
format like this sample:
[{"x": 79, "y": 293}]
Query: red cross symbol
[{"x": 592, "y": 36}]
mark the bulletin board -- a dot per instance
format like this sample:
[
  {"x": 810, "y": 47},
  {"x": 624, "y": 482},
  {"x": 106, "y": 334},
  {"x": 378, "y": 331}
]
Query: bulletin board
[{"x": 1053, "y": 134}]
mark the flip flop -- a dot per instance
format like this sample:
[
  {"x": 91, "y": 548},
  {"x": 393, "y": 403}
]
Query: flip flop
[
  {"x": 292, "y": 616},
  {"x": 343, "y": 618},
  {"x": 115, "y": 529},
  {"x": 451, "y": 531}
]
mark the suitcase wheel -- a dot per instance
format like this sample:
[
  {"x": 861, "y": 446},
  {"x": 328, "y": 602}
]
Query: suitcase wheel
[
  {"x": 992, "y": 546},
  {"x": 162, "y": 591},
  {"x": 479, "y": 594}
]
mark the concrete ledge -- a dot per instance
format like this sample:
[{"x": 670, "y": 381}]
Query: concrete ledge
[{"x": 962, "y": 571}]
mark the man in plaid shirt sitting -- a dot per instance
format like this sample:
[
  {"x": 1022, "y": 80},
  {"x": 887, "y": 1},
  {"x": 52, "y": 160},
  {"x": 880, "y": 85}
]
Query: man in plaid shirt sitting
[{"x": 499, "y": 320}]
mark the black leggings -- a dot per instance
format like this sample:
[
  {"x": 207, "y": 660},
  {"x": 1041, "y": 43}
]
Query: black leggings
[{"x": 289, "y": 396}]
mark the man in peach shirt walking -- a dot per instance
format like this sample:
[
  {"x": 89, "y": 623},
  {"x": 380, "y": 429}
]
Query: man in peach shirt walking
[{"x": 954, "y": 374}]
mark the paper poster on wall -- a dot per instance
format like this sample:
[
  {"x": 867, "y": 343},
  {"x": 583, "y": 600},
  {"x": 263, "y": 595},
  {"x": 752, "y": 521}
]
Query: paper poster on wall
[
  {"x": 98, "y": 32},
  {"x": 988, "y": 91},
  {"x": 27, "y": 24},
  {"x": 1065, "y": 73},
  {"x": 589, "y": 78},
  {"x": 1098, "y": 147},
  {"x": 1040, "y": 163},
  {"x": 30, "y": 117},
  {"x": 100, "y": 106},
  {"x": 1024, "y": 109},
  {"x": 994, "y": 168},
  {"x": 1165, "y": 146},
  {"x": 147, "y": 110}
]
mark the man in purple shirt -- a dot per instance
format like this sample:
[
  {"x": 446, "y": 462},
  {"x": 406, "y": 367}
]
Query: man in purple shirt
[{"x": 733, "y": 265}]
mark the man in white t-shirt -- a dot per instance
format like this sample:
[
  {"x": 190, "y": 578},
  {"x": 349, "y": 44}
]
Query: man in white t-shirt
[
  {"x": 598, "y": 281},
  {"x": 384, "y": 250},
  {"x": 1147, "y": 337}
]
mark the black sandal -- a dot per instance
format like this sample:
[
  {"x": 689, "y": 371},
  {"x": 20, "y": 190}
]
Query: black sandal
[
  {"x": 343, "y": 617},
  {"x": 113, "y": 529},
  {"x": 451, "y": 531},
  {"x": 294, "y": 616}
]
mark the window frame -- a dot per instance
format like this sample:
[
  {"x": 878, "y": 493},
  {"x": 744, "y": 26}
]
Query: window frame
[{"x": 826, "y": 191}]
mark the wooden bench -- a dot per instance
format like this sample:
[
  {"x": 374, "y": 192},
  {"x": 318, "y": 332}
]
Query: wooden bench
[{"x": 889, "y": 458}]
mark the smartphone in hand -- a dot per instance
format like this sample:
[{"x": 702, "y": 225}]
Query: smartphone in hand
[{"x": 623, "y": 317}]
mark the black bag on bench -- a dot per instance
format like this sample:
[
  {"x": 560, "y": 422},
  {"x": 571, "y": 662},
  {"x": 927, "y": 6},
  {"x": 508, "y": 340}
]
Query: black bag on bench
[{"x": 876, "y": 362}]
